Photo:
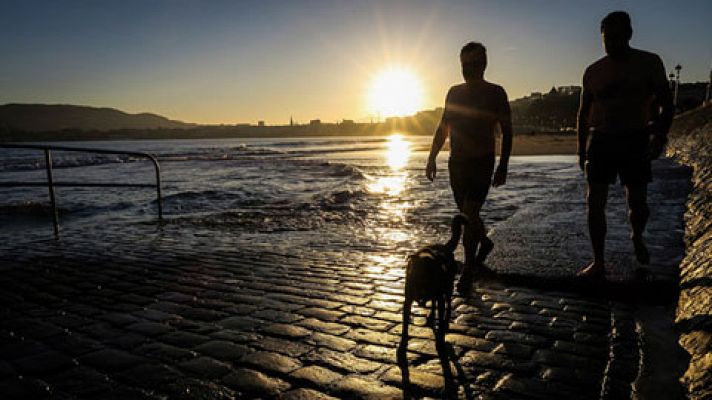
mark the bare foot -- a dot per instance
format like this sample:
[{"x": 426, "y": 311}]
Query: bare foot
[
  {"x": 641, "y": 251},
  {"x": 592, "y": 271}
]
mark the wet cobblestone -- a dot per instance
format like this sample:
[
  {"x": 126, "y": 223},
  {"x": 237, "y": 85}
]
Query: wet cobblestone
[
  {"x": 690, "y": 143},
  {"x": 130, "y": 311}
]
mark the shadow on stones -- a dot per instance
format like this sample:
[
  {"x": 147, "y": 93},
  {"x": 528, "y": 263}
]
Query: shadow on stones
[
  {"x": 448, "y": 359},
  {"x": 446, "y": 354}
]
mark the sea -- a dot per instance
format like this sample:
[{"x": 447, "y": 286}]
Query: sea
[{"x": 293, "y": 193}]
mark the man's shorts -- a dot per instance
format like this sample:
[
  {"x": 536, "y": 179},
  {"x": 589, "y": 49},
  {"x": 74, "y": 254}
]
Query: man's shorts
[
  {"x": 612, "y": 156},
  {"x": 471, "y": 178}
]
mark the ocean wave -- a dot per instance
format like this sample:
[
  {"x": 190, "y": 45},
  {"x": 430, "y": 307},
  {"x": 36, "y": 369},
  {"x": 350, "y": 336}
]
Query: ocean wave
[
  {"x": 330, "y": 150},
  {"x": 17, "y": 165},
  {"x": 65, "y": 160},
  {"x": 220, "y": 153},
  {"x": 192, "y": 201},
  {"x": 327, "y": 142},
  {"x": 344, "y": 170},
  {"x": 276, "y": 220},
  {"x": 339, "y": 200}
]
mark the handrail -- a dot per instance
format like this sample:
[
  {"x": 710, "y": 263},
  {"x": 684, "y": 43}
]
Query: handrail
[{"x": 51, "y": 184}]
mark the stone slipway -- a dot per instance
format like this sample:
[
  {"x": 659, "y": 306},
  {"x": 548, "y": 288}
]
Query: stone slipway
[
  {"x": 691, "y": 143},
  {"x": 129, "y": 311}
]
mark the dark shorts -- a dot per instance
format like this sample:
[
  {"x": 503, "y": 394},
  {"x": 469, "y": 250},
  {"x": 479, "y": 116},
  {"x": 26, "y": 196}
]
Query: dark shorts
[
  {"x": 471, "y": 178},
  {"x": 625, "y": 157}
]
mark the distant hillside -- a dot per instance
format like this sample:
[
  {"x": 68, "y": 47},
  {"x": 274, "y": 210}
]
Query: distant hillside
[
  {"x": 554, "y": 110},
  {"x": 57, "y": 117}
]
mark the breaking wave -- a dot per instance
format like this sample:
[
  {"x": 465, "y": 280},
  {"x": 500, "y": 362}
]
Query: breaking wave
[{"x": 70, "y": 160}]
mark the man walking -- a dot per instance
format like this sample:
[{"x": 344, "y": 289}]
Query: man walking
[
  {"x": 627, "y": 107},
  {"x": 472, "y": 112}
]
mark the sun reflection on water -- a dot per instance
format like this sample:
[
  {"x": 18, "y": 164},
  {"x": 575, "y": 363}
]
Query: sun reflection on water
[
  {"x": 390, "y": 222},
  {"x": 397, "y": 154},
  {"x": 390, "y": 185}
]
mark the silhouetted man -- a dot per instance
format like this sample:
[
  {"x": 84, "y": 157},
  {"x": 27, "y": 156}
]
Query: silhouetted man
[
  {"x": 618, "y": 95},
  {"x": 472, "y": 112}
]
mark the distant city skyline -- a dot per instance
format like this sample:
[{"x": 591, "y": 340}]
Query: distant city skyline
[{"x": 242, "y": 62}]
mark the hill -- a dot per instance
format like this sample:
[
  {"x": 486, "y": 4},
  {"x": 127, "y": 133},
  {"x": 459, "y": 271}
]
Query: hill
[{"x": 57, "y": 117}]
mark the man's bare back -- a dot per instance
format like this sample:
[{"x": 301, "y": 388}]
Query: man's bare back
[
  {"x": 622, "y": 91},
  {"x": 472, "y": 112}
]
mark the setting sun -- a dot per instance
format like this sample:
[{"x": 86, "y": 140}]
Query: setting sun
[{"x": 395, "y": 91}]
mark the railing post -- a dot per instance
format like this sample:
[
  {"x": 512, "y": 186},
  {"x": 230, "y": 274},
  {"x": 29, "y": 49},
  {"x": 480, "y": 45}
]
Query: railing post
[{"x": 50, "y": 184}]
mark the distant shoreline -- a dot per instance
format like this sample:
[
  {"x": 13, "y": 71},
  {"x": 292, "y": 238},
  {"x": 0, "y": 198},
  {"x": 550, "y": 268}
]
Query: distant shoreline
[{"x": 546, "y": 143}]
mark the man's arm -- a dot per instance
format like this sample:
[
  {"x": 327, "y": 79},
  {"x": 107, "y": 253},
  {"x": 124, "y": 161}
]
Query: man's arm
[
  {"x": 505, "y": 122},
  {"x": 439, "y": 138},
  {"x": 582, "y": 122},
  {"x": 438, "y": 141},
  {"x": 663, "y": 121}
]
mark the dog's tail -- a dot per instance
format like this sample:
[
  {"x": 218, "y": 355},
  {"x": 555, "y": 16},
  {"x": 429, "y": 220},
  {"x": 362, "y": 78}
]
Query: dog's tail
[{"x": 456, "y": 226}]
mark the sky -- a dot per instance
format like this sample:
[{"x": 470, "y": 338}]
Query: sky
[{"x": 243, "y": 61}]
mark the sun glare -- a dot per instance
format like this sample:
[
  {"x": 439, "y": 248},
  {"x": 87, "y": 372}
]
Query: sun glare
[
  {"x": 397, "y": 152},
  {"x": 395, "y": 91}
]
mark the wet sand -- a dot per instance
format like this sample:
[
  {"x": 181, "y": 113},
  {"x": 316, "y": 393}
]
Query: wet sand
[{"x": 543, "y": 144}]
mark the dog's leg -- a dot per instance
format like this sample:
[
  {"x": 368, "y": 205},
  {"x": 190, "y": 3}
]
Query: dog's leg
[
  {"x": 430, "y": 319},
  {"x": 403, "y": 349},
  {"x": 448, "y": 311},
  {"x": 442, "y": 322}
]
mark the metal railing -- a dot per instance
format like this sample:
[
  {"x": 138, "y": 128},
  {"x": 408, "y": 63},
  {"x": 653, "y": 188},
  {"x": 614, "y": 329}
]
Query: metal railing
[{"x": 51, "y": 184}]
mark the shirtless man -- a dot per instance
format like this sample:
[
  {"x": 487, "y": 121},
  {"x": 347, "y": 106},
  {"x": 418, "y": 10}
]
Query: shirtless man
[
  {"x": 472, "y": 112},
  {"x": 627, "y": 106}
]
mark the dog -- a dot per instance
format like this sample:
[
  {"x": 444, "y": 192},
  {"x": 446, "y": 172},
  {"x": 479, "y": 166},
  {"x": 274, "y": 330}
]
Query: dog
[{"x": 430, "y": 276}]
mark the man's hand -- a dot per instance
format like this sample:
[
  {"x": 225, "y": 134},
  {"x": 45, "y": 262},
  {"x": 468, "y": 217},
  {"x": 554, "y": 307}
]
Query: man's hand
[
  {"x": 500, "y": 177},
  {"x": 430, "y": 170},
  {"x": 582, "y": 161}
]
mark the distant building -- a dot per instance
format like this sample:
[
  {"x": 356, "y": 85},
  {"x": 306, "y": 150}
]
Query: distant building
[
  {"x": 569, "y": 90},
  {"x": 315, "y": 122},
  {"x": 347, "y": 122},
  {"x": 260, "y": 123}
]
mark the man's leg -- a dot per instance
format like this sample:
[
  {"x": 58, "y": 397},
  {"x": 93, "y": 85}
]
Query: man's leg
[
  {"x": 474, "y": 231},
  {"x": 596, "y": 203},
  {"x": 638, "y": 212},
  {"x": 486, "y": 246}
]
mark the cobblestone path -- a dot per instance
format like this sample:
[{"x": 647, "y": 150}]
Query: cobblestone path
[{"x": 141, "y": 313}]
